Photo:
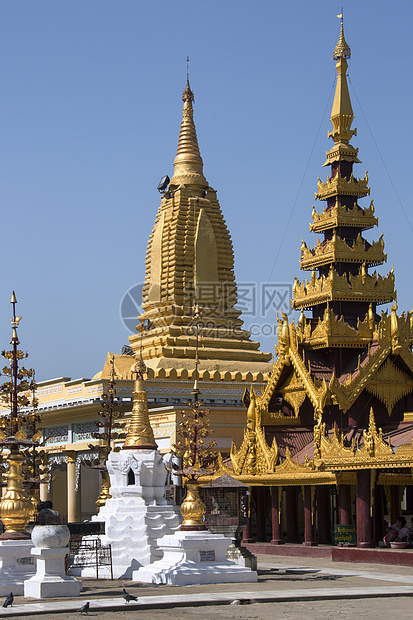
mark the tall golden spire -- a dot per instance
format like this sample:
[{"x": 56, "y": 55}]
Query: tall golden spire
[
  {"x": 342, "y": 112},
  {"x": 140, "y": 433},
  {"x": 188, "y": 165},
  {"x": 190, "y": 260}
]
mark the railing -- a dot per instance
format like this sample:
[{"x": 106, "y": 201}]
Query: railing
[{"x": 83, "y": 553}]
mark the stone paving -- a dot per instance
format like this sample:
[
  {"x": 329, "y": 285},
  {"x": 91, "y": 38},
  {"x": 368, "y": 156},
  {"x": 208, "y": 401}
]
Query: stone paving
[{"x": 312, "y": 587}]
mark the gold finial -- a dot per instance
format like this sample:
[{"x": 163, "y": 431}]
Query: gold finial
[
  {"x": 342, "y": 49},
  {"x": 187, "y": 95},
  {"x": 188, "y": 165},
  {"x": 342, "y": 112},
  {"x": 140, "y": 434}
]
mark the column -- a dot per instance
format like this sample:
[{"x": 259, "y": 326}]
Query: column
[
  {"x": 409, "y": 500},
  {"x": 260, "y": 512},
  {"x": 275, "y": 516},
  {"x": 247, "y": 534},
  {"x": 364, "y": 520},
  {"x": 309, "y": 540},
  {"x": 379, "y": 522},
  {"x": 324, "y": 515},
  {"x": 73, "y": 496},
  {"x": 344, "y": 504},
  {"x": 247, "y": 531},
  {"x": 291, "y": 514},
  {"x": 394, "y": 509},
  {"x": 44, "y": 492}
]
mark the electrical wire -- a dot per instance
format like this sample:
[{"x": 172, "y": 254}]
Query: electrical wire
[{"x": 381, "y": 157}]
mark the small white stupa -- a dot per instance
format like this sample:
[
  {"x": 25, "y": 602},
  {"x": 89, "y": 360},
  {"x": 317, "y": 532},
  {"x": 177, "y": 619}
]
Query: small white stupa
[
  {"x": 137, "y": 514},
  {"x": 193, "y": 555}
]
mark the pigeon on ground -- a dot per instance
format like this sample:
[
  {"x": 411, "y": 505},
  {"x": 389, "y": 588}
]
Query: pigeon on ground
[
  {"x": 9, "y": 600},
  {"x": 84, "y": 608},
  {"x": 129, "y": 597}
]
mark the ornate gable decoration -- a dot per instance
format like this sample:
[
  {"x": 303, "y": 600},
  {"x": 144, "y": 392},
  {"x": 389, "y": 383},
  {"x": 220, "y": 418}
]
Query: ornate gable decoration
[
  {"x": 288, "y": 466},
  {"x": 255, "y": 456},
  {"x": 390, "y": 384},
  {"x": 374, "y": 444},
  {"x": 293, "y": 392},
  {"x": 332, "y": 448},
  {"x": 375, "y": 453}
]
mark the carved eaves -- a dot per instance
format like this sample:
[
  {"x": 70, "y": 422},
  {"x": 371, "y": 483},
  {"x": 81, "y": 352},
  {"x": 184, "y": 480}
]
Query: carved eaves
[
  {"x": 340, "y": 186},
  {"x": 332, "y": 332},
  {"x": 345, "y": 394},
  {"x": 374, "y": 453},
  {"x": 264, "y": 400},
  {"x": 339, "y": 215},
  {"x": 334, "y": 287},
  {"x": 389, "y": 384},
  {"x": 337, "y": 250}
]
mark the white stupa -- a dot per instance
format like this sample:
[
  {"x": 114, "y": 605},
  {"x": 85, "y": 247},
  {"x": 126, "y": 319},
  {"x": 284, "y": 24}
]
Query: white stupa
[
  {"x": 137, "y": 514},
  {"x": 192, "y": 554}
]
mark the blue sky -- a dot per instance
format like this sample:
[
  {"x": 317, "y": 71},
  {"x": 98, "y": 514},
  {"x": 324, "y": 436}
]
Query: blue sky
[{"x": 90, "y": 110}]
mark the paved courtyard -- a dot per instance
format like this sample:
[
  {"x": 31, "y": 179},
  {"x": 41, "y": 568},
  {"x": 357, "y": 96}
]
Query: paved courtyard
[{"x": 293, "y": 588}]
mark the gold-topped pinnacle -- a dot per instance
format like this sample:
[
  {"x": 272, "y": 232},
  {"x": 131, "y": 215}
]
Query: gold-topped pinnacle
[
  {"x": 188, "y": 164},
  {"x": 342, "y": 112},
  {"x": 140, "y": 434},
  {"x": 342, "y": 49},
  {"x": 188, "y": 95}
]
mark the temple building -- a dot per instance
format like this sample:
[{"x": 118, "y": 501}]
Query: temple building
[
  {"x": 329, "y": 440},
  {"x": 190, "y": 330}
]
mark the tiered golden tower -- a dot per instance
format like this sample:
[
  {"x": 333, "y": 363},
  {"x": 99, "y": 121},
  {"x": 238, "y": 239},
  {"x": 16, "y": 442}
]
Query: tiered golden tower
[
  {"x": 190, "y": 262},
  {"x": 334, "y": 365},
  {"x": 343, "y": 289}
]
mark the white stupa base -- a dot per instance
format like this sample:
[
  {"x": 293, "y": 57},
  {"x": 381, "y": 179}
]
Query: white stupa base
[
  {"x": 194, "y": 558},
  {"x": 132, "y": 532},
  {"x": 50, "y": 579},
  {"x": 137, "y": 515},
  {"x": 16, "y": 565}
]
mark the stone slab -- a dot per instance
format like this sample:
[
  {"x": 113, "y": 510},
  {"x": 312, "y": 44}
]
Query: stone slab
[
  {"x": 211, "y": 598},
  {"x": 51, "y": 588},
  {"x": 194, "y": 558},
  {"x": 16, "y": 565}
]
